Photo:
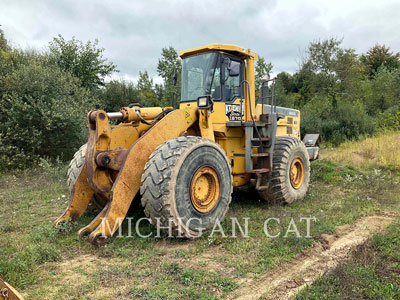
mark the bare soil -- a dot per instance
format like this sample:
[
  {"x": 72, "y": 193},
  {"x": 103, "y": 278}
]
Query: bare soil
[{"x": 285, "y": 281}]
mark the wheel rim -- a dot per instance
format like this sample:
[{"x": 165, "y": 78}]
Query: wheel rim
[
  {"x": 297, "y": 173},
  {"x": 204, "y": 189}
]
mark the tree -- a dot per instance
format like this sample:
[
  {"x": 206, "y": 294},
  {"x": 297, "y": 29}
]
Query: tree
[
  {"x": 117, "y": 94},
  {"x": 262, "y": 68},
  {"x": 328, "y": 69},
  {"x": 84, "y": 61},
  {"x": 168, "y": 65},
  {"x": 147, "y": 94},
  {"x": 3, "y": 41},
  {"x": 380, "y": 56}
]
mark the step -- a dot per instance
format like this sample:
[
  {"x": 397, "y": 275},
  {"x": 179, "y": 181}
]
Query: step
[
  {"x": 263, "y": 139},
  {"x": 259, "y": 171},
  {"x": 262, "y": 188},
  {"x": 259, "y": 154}
]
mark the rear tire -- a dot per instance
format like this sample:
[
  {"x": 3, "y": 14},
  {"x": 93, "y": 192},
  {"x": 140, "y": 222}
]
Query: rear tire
[
  {"x": 187, "y": 178},
  {"x": 290, "y": 154}
]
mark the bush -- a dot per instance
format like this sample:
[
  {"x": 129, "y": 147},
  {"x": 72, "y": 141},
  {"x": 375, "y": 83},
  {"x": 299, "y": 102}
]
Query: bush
[
  {"x": 336, "y": 124},
  {"x": 43, "y": 114},
  {"x": 388, "y": 121},
  {"x": 117, "y": 94}
]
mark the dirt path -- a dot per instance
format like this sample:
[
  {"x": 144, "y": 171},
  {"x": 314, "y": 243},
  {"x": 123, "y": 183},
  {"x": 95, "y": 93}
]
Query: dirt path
[{"x": 288, "y": 279}]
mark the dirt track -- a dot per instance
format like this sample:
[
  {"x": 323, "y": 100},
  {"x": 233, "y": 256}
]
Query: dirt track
[{"x": 287, "y": 280}]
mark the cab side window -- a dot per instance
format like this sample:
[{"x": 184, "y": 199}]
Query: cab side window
[
  {"x": 215, "y": 86},
  {"x": 232, "y": 83}
]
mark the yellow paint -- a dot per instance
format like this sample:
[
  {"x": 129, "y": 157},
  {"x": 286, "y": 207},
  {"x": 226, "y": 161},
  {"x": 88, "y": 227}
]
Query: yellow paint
[
  {"x": 205, "y": 189},
  {"x": 239, "y": 51},
  {"x": 205, "y": 124},
  {"x": 128, "y": 181},
  {"x": 119, "y": 187},
  {"x": 297, "y": 173}
]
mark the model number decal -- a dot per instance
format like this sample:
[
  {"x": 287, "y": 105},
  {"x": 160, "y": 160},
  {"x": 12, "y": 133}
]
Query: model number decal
[{"x": 233, "y": 112}]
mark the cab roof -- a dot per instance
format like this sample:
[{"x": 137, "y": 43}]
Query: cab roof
[{"x": 232, "y": 49}]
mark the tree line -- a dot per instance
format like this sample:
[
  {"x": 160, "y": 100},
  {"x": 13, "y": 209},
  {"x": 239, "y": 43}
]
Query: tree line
[{"x": 44, "y": 95}]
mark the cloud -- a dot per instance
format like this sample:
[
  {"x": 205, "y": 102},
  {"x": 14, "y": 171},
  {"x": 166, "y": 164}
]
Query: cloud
[{"x": 134, "y": 32}]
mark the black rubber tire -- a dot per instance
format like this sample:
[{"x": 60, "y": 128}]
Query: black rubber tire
[
  {"x": 166, "y": 182},
  {"x": 281, "y": 191},
  {"x": 75, "y": 167}
]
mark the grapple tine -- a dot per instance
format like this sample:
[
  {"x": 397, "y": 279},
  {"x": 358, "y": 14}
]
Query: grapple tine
[
  {"x": 95, "y": 222},
  {"x": 82, "y": 193}
]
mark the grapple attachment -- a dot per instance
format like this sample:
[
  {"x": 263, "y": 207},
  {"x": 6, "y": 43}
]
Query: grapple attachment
[{"x": 115, "y": 160}]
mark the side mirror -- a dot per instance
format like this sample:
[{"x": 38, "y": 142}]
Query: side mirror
[
  {"x": 225, "y": 65},
  {"x": 234, "y": 68},
  {"x": 175, "y": 79}
]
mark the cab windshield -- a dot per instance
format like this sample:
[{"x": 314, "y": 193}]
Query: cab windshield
[{"x": 198, "y": 76}]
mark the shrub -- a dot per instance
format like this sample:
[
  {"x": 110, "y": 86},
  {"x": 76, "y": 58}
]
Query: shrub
[
  {"x": 43, "y": 114},
  {"x": 336, "y": 124},
  {"x": 388, "y": 121},
  {"x": 117, "y": 94}
]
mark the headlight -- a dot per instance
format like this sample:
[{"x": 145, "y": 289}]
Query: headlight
[{"x": 204, "y": 102}]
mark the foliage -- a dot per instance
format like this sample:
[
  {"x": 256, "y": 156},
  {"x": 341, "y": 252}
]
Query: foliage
[
  {"x": 168, "y": 65},
  {"x": 45, "y": 94},
  {"x": 3, "y": 41},
  {"x": 147, "y": 95},
  {"x": 261, "y": 69},
  {"x": 336, "y": 124},
  {"x": 83, "y": 60},
  {"x": 41, "y": 114},
  {"x": 328, "y": 68},
  {"x": 116, "y": 94},
  {"x": 335, "y": 96},
  {"x": 380, "y": 56},
  {"x": 388, "y": 121}
]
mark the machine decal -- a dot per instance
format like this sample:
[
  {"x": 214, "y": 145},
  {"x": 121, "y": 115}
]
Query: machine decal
[
  {"x": 188, "y": 116},
  {"x": 233, "y": 112}
]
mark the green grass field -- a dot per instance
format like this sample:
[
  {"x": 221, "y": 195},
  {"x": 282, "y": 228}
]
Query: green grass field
[{"x": 45, "y": 264}]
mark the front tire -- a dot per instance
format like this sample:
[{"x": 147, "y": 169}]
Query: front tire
[
  {"x": 187, "y": 185},
  {"x": 74, "y": 169},
  {"x": 290, "y": 173}
]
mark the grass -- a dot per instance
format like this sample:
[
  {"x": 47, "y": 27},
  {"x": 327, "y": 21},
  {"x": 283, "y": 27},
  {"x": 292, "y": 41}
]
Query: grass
[
  {"x": 382, "y": 150},
  {"x": 373, "y": 272},
  {"x": 44, "y": 264}
]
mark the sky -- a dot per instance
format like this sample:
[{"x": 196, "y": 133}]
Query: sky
[{"x": 133, "y": 33}]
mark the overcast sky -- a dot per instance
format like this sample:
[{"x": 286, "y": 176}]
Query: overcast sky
[{"x": 134, "y": 32}]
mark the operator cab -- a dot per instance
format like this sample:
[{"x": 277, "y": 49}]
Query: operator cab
[{"x": 215, "y": 73}]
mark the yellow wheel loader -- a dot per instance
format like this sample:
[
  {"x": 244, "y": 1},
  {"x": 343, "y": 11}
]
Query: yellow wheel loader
[{"x": 185, "y": 162}]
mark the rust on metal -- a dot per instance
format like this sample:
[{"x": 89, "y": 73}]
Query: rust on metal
[{"x": 112, "y": 159}]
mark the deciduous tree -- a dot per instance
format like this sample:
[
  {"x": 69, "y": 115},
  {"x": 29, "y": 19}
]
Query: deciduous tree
[{"x": 84, "y": 60}]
